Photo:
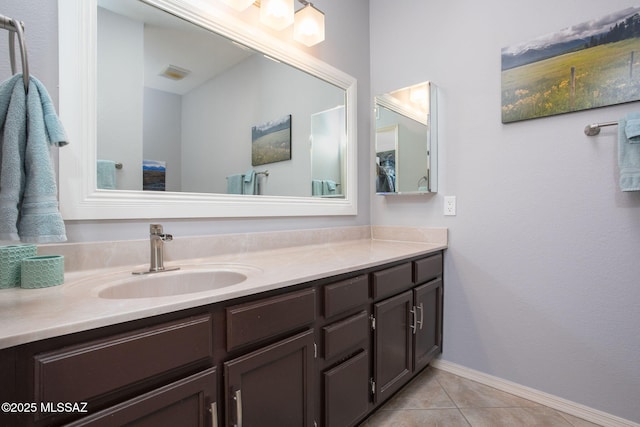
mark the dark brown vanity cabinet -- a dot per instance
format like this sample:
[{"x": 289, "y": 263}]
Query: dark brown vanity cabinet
[
  {"x": 345, "y": 363},
  {"x": 408, "y": 325},
  {"x": 190, "y": 402},
  {"x": 321, "y": 354},
  {"x": 272, "y": 386},
  {"x": 150, "y": 372}
]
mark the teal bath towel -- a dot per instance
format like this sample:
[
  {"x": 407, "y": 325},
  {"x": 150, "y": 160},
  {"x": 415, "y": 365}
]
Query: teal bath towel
[
  {"x": 28, "y": 191},
  {"x": 234, "y": 183},
  {"x": 628, "y": 156}
]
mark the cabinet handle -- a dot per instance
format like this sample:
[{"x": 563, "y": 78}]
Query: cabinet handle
[
  {"x": 415, "y": 320},
  {"x": 421, "y": 321},
  {"x": 238, "y": 398},
  {"x": 214, "y": 414}
]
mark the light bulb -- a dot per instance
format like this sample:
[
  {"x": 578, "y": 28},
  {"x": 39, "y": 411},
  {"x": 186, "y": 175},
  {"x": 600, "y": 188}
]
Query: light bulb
[
  {"x": 308, "y": 27},
  {"x": 277, "y": 14}
]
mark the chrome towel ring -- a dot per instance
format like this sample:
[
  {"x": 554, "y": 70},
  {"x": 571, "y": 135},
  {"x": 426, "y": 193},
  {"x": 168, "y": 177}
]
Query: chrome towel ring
[{"x": 16, "y": 27}]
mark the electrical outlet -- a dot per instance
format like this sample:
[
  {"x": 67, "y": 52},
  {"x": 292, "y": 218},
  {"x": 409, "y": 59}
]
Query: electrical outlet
[{"x": 450, "y": 205}]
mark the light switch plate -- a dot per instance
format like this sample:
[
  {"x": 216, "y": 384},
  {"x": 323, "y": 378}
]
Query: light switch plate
[{"x": 450, "y": 205}]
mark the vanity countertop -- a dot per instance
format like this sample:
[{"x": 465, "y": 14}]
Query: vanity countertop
[{"x": 28, "y": 315}]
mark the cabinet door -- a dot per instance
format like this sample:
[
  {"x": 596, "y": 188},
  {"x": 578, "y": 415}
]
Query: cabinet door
[
  {"x": 190, "y": 402},
  {"x": 428, "y": 337},
  {"x": 272, "y": 387},
  {"x": 346, "y": 391},
  {"x": 393, "y": 341}
]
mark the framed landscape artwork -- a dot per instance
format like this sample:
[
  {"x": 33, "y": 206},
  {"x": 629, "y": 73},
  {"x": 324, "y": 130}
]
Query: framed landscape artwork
[
  {"x": 588, "y": 65},
  {"x": 153, "y": 175},
  {"x": 271, "y": 141}
]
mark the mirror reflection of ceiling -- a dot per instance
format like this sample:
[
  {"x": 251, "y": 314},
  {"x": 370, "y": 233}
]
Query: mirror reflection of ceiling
[
  {"x": 412, "y": 101},
  {"x": 216, "y": 90},
  {"x": 171, "y": 41}
]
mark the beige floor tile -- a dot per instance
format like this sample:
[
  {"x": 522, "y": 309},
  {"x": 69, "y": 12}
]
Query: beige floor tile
[
  {"x": 417, "y": 418},
  {"x": 470, "y": 394},
  {"x": 424, "y": 392},
  {"x": 511, "y": 417}
]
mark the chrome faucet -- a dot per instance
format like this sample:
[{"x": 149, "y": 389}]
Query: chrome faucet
[{"x": 157, "y": 239}]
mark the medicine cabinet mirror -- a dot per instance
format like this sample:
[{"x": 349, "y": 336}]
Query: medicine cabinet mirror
[
  {"x": 406, "y": 142},
  {"x": 124, "y": 105}
]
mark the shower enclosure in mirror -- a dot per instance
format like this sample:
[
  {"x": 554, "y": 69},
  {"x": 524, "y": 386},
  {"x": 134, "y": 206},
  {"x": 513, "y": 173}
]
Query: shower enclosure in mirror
[
  {"x": 406, "y": 140},
  {"x": 182, "y": 84}
]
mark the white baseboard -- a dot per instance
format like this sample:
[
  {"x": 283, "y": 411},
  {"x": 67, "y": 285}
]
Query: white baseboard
[{"x": 563, "y": 405}]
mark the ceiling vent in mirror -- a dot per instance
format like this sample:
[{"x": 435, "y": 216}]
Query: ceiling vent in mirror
[{"x": 174, "y": 73}]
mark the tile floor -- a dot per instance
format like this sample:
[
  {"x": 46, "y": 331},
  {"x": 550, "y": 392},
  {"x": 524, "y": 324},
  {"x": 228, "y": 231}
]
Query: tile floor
[{"x": 438, "y": 398}]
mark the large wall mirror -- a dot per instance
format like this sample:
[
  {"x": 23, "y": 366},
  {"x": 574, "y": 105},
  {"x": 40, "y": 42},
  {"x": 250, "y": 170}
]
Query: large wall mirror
[
  {"x": 177, "y": 109},
  {"x": 406, "y": 140}
]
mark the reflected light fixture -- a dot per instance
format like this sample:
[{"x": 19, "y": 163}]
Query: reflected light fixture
[
  {"x": 308, "y": 22},
  {"x": 239, "y": 5},
  {"x": 308, "y": 26},
  {"x": 277, "y": 14}
]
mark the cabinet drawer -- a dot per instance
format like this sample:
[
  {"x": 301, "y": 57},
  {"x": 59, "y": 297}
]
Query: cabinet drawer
[
  {"x": 427, "y": 268},
  {"x": 346, "y": 334},
  {"x": 92, "y": 369},
  {"x": 255, "y": 321},
  {"x": 342, "y": 296},
  {"x": 391, "y": 281}
]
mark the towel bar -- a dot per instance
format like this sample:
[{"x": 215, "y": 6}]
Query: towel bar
[{"x": 594, "y": 128}]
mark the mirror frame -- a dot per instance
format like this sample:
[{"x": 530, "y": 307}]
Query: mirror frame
[{"x": 79, "y": 196}]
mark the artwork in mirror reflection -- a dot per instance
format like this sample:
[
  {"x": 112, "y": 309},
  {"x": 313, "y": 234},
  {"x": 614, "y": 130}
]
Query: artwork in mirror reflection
[
  {"x": 405, "y": 141},
  {"x": 172, "y": 91}
]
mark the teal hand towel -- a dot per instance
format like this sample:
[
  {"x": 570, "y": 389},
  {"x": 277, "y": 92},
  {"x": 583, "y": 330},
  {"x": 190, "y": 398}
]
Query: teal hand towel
[
  {"x": 632, "y": 128},
  {"x": 28, "y": 190},
  {"x": 13, "y": 140},
  {"x": 250, "y": 185},
  {"x": 628, "y": 156},
  {"x": 330, "y": 186},
  {"x": 234, "y": 184},
  {"x": 106, "y": 174}
]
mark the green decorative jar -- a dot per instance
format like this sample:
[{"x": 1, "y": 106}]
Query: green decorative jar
[
  {"x": 10, "y": 258},
  {"x": 42, "y": 271}
]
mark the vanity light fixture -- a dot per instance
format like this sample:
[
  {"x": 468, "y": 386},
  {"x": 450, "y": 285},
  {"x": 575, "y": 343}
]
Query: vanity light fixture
[
  {"x": 277, "y": 14},
  {"x": 308, "y": 22},
  {"x": 308, "y": 26}
]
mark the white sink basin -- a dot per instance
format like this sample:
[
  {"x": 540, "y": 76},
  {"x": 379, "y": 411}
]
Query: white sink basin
[{"x": 178, "y": 282}]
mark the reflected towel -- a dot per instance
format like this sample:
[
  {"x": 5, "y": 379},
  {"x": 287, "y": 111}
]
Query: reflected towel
[
  {"x": 316, "y": 187},
  {"x": 628, "y": 156},
  {"x": 329, "y": 186},
  {"x": 250, "y": 184},
  {"x": 234, "y": 184},
  {"x": 323, "y": 187},
  {"x": 106, "y": 174},
  {"x": 28, "y": 191}
]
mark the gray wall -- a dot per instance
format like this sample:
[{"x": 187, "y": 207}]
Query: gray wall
[
  {"x": 542, "y": 274},
  {"x": 346, "y": 47}
]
